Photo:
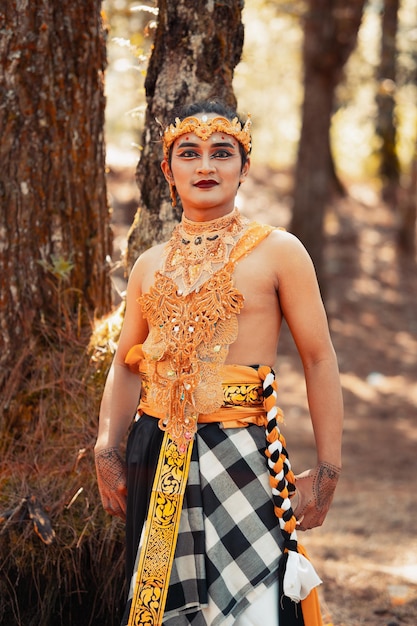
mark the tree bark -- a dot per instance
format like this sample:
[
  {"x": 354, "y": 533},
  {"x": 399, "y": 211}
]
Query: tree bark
[
  {"x": 197, "y": 46},
  {"x": 330, "y": 33},
  {"x": 54, "y": 222}
]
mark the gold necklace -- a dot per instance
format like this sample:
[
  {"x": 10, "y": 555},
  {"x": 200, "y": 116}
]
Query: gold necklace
[{"x": 197, "y": 249}]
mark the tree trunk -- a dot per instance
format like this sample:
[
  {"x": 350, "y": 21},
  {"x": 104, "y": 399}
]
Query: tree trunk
[
  {"x": 197, "y": 46},
  {"x": 406, "y": 236},
  {"x": 385, "y": 127},
  {"x": 54, "y": 223},
  {"x": 330, "y": 34}
]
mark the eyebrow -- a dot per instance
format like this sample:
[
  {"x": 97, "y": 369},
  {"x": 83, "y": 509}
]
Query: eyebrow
[{"x": 218, "y": 144}]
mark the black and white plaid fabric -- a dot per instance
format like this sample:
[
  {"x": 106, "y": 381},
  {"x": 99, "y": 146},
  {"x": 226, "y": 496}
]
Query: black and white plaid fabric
[{"x": 229, "y": 540}]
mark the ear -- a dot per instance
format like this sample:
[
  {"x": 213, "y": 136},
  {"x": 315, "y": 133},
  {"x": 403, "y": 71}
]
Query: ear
[
  {"x": 167, "y": 171},
  {"x": 244, "y": 172}
]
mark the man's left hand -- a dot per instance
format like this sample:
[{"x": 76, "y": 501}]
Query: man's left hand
[{"x": 314, "y": 494}]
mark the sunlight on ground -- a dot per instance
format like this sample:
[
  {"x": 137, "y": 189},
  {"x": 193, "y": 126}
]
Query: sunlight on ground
[
  {"x": 408, "y": 572},
  {"x": 377, "y": 386}
]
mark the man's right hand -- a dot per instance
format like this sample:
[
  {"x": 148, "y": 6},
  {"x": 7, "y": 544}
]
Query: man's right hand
[{"x": 111, "y": 478}]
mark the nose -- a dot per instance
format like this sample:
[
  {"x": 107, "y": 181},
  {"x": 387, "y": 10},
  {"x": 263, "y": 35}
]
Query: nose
[{"x": 205, "y": 164}]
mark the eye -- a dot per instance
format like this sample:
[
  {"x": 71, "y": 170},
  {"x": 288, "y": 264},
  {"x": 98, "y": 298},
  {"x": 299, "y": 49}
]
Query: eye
[
  {"x": 188, "y": 154},
  {"x": 221, "y": 154}
]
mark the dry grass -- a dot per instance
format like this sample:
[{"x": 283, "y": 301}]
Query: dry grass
[{"x": 73, "y": 575}]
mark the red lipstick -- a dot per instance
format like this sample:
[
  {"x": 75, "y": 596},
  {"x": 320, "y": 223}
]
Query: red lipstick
[{"x": 206, "y": 184}]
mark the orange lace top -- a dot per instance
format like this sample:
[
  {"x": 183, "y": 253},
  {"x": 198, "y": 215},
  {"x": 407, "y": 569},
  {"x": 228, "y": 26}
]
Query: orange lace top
[{"x": 189, "y": 339}]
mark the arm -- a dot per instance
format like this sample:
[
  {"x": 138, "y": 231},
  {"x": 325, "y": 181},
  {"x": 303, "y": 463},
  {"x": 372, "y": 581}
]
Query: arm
[
  {"x": 303, "y": 309},
  {"x": 119, "y": 402}
]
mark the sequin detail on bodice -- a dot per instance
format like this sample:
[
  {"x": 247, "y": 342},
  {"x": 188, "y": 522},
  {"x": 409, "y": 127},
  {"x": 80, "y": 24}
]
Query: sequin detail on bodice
[
  {"x": 189, "y": 340},
  {"x": 197, "y": 250}
]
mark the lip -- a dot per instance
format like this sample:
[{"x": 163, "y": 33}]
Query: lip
[{"x": 206, "y": 184}]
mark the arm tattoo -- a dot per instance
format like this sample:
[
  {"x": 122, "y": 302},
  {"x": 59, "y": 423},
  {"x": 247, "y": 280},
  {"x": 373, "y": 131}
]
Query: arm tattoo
[
  {"x": 324, "y": 484},
  {"x": 110, "y": 467}
]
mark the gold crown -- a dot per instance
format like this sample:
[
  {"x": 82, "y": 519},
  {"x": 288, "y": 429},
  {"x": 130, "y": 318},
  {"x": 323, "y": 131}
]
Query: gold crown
[{"x": 205, "y": 127}]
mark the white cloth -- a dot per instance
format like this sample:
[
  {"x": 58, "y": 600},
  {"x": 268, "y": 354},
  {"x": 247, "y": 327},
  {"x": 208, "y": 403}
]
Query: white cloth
[
  {"x": 263, "y": 611},
  {"x": 300, "y": 577}
]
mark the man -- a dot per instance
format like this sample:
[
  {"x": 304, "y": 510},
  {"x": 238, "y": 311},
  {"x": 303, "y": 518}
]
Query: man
[{"x": 209, "y": 509}]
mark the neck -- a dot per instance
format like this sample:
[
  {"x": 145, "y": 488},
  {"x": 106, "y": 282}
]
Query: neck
[
  {"x": 206, "y": 214},
  {"x": 210, "y": 223}
]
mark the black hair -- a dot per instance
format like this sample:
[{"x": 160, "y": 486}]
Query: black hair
[{"x": 207, "y": 106}]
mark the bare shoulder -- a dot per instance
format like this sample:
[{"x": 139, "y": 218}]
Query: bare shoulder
[
  {"x": 282, "y": 240},
  {"x": 149, "y": 256},
  {"x": 148, "y": 262},
  {"x": 287, "y": 254}
]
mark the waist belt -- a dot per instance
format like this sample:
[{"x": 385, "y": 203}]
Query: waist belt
[{"x": 242, "y": 399}]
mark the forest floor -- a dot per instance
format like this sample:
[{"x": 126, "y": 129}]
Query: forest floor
[{"x": 366, "y": 551}]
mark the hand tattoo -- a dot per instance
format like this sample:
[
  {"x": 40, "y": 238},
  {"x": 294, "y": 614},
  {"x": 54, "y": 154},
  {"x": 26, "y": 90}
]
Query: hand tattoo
[{"x": 312, "y": 503}]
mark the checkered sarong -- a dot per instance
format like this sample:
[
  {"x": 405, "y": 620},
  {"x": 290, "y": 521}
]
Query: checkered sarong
[{"x": 229, "y": 539}]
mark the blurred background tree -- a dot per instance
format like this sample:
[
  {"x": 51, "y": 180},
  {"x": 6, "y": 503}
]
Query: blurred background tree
[
  {"x": 330, "y": 33},
  {"x": 389, "y": 169}
]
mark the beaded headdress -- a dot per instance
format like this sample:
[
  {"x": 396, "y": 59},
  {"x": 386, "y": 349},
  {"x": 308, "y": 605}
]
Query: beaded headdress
[{"x": 205, "y": 127}]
